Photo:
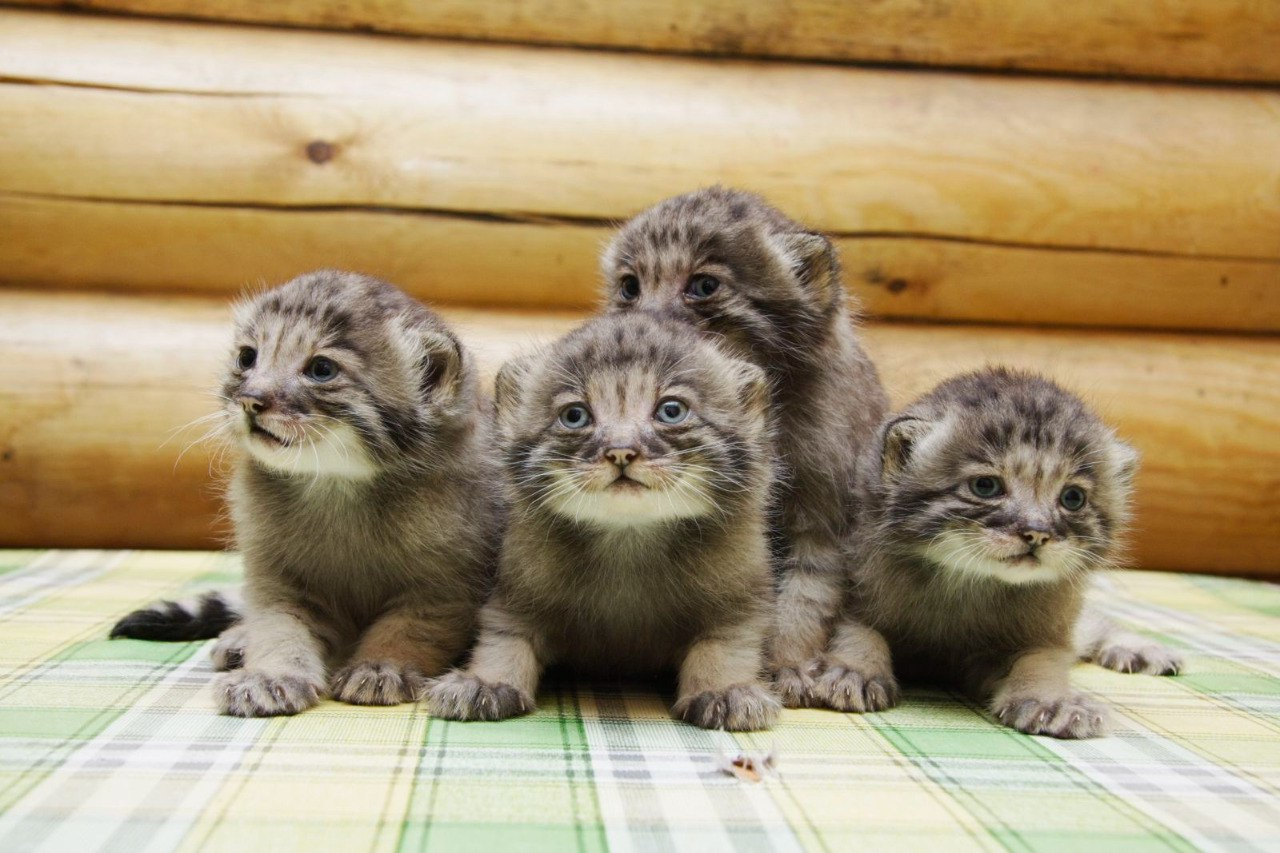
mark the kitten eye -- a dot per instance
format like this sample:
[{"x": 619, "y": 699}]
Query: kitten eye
[
  {"x": 630, "y": 287},
  {"x": 1073, "y": 498},
  {"x": 321, "y": 369},
  {"x": 575, "y": 416},
  {"x": 701, "y": 286},
  {"x": 986, "y": 487},
  {"x": 671, "y": 411},
  {"x": 246, "y": 358}
]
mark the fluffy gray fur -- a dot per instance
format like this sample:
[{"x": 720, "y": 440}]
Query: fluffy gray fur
[
  {"x": 984, "y": 591},
  {"x": 365, "y": 502},
  {"x": 777, "y": 301},
  {"x": 634, "y": 546}
]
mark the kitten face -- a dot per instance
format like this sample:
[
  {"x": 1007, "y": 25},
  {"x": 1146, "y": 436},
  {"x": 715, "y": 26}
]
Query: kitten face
[
  {"x": 727, "y": 262},
  {"x": 633, "y": 421},
  {"x": 1006, "y": 477},
  {"x": 337, "y": 375}
]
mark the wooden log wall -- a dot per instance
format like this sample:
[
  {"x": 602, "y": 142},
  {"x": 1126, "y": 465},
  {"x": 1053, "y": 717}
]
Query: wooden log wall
[
  {"x": 1187, "y": 39},
  {"x": 1122, "y": 235}
]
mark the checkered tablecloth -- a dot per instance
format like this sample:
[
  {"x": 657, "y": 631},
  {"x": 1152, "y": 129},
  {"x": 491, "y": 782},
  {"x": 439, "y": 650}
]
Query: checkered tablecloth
[{"x": 114, "y": 745}]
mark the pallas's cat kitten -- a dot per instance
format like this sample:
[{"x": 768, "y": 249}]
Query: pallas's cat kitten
[
  {"x": 988, "y": 502},
  {"x": 638, "y": 467},
  {"x": 726, "y": 262},
  {"x": 363, "y": 497}
]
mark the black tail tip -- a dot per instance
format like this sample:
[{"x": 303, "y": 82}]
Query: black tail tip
[{"x": 169, "y": 621}]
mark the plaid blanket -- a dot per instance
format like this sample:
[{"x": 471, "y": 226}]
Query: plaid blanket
[{"x": 114, "y": 746}]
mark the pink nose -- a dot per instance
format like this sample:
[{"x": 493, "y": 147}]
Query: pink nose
[
  {"x": 1035, "y": 538},
  {"x": 252, "y": 403},
  {"x": 621, "y": 456}
]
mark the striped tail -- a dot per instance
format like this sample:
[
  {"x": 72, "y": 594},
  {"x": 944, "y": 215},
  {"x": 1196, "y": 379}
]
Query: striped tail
[{"x": 200, "y": 618}]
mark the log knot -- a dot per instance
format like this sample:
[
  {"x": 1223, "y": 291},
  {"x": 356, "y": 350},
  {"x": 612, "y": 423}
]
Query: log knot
[{"x": 320, "y": 152}]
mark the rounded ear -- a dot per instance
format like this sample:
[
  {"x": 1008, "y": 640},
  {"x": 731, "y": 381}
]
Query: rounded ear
[
  {"x": 508, "y": 388},
  {"x": 442, "y": 365},
  {"x": 753, "y": 389},
  {"x": 898, "y": 440},
  {"x": 1127, "y": 458},
  {"x": 812, "y": 258}
]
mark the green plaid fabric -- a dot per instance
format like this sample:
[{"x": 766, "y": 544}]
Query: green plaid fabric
[{"x": 115, "y": 746}]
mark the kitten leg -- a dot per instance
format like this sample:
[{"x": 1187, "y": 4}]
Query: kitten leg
[
  {"x": 282, "y": 668},
  {"x": 1036, "y": 697},
  {"x": 503, "y": 674},
  {"x": 809, "y": 597},
  {"x": 720, "y": 685},
  {"x": 398, "y": 653},
  {"x": 858, "y": 673},
  {"x": 1100, "y": 640}
]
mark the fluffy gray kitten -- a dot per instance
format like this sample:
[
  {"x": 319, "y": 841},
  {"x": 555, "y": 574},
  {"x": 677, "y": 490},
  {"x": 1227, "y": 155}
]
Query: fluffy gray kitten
[
  {"x": 638, "y": 469},
  {"x": 770, "y": 291},
  {"x": 364, "y": 499},
  {"x": 987, "y": 504}
]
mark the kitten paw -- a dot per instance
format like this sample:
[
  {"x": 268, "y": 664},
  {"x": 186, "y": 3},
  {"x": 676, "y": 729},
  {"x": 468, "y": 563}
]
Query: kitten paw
[
  {"x": 739, "y": 708},
  {"x": 845, "y": 689},
  {"x": 1071, "y": 716},
  {"x": 1149, "y": 658},
  {"x": 458, "y": 696},
  {"x": 228, "y": 651},
  {"x": 375, "y": 683},
  {"x": 245, "y": 693},
  {"x": 795, "y": 685}
]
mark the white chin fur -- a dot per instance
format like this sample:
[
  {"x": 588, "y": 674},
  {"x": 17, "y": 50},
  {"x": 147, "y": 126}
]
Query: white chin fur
[
  {"x": 335, "y": 452},
  {"x": 630, "y": 507},
  {"x": 969, "y": 555}
]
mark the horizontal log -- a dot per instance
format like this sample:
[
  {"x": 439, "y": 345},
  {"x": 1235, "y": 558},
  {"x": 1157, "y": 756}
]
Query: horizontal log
[
  {"x": 209, "y": 114},
  {"x": 552, "y": 264},
  {"x": 1206, "y": 39},
  {"x": 98, "y": 388}
]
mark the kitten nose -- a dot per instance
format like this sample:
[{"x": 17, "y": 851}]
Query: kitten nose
[
  {"x": 1035, "y": 536},
  {"x": 621, "y": 456},
  {"x": 252, "y": 403}
]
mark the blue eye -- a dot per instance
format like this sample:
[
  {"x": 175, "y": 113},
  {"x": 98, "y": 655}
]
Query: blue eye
[
  {"x": 701, "y": 286},
  {"x": 630, "y": 288},
  {"x": 575, "y": 416},
  {"x": 1072, "y": 498},
  {"x": 246, "y": 358},
  {"x": 321, "y": 369},
  {"x": 671, "y": 411},
  {"x": 986, "y": 487}
]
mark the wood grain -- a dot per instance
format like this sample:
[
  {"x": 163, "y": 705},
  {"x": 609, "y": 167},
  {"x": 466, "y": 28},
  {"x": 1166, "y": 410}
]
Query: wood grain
[
  {"x": 443, "y": 258},
  {"x": 209, "y": 114},
  {"x": 1208, "y": 39},
  {"x": 99, "y": 386}
]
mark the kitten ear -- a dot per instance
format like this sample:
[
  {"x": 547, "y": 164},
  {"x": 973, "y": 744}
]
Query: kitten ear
[
  {"x": 508, "y": 388},
  {"x": 1127, "y": 458},
  {"x": 753, "y": 389},
  {"x": 441, "y": 365},
  {"x": 812, "y": 258},
  {"x": 898, "y": 441}
]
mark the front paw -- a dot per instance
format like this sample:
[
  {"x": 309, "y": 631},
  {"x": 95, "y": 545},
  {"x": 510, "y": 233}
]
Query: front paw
[
  {"x": 459, "y": 696},
  {"x": 228, "y": 650},
  {"x": 1071, "y": 716},
  {"x": 845, "y": 689},
  {"x": 376, "y": 683},
  {"x": 739, "y": 708},
  {"x": 246, "y": 693},
  {"x": 1149, "y": 658},
  {"x": 795, "y": 685}
]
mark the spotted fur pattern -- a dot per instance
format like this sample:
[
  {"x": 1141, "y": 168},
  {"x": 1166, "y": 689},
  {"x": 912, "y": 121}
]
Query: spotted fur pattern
[
  {"x": 364, "y": 496},
  {"x": 778, "y": 302},
  {"x": 635, "y": 546},
  {"x": 976, "y": 555}
]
